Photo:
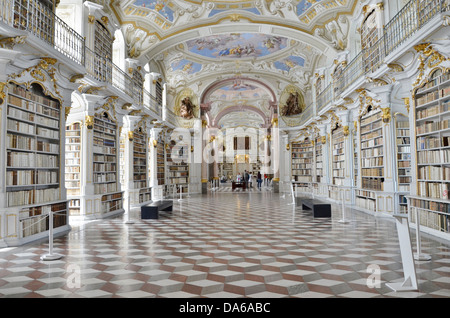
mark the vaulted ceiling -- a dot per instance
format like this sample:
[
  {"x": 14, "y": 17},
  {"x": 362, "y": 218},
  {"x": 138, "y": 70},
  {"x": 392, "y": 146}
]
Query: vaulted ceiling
[{"x": 200, "y": 43}]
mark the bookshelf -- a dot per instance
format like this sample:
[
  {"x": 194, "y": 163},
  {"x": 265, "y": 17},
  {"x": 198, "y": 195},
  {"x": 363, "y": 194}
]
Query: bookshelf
[
  {"x": 160, "y": 160},
  {"x": 302, "y": 160},
  {"x": 177, "y": 166},
  {"x": 72, "y": 166},
  {"x": 105, "y": 163},
  {"x": 318, "y": 159},
  {"x": 403, "y": 150},
  {"x": 338, "y": 163},
  {"x": 139, "y": 159},
  {"x": 355, "y": 158},
  {"x": 372, "y": 159},
  {"x": 32, "y": 166},
  {"x": 432, "y": 136}
]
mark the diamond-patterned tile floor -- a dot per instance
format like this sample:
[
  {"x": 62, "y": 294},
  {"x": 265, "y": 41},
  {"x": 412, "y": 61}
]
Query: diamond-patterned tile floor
[{"x": 224, "y": 245}]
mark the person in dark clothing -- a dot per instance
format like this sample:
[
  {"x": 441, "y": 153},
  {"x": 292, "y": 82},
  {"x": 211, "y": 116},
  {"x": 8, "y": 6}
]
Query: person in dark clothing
[
  {"x": 246, "y": 176},
  {"x": 259, "y": 180}
]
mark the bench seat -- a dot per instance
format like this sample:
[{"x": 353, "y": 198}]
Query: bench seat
[{"x": 151, "y": 210}]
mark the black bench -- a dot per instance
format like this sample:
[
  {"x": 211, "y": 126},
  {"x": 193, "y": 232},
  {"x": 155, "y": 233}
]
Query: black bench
[
  {"x": 320, "y": 209},
  {"x": 151, "y": 210}
]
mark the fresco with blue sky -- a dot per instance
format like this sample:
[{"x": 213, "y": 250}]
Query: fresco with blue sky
[
  {"x": 159, "y": 6},
  {"x": 289, "y": 62},
  {"x": 186, "y": 66},
  {"x": 237, "y": 45}
]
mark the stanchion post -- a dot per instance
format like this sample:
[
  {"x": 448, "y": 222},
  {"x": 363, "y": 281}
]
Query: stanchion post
[
  {"x": 128, "y": 220},
  {"x": 419, "y": 256},
  {"x": 50, "y": 256},
  {"x": 409, "y": 270},
  {"x": 181, "y": 193},
  {"x": 343, "y": 220}
]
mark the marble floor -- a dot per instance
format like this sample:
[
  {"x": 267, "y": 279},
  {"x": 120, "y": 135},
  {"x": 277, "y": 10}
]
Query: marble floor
[{"x": 225, "y": 245}]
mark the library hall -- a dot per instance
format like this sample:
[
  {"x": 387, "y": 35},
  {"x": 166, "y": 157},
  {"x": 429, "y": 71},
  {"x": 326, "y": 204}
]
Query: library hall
[{"x": 256, "y": 149}]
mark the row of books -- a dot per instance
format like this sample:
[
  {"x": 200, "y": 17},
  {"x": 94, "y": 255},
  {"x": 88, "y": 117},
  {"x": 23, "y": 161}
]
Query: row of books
[
  {"x": 372, "y": 152},
  {"x": 433, "y": 189},
  {"x": 371, "y": 118},
  {"x": 372, "y": 172},
  {"x": 103, "y": 158},
  {"x": 436, "y": 80},
  {"x": 104, "y": 167},
  {"x": 34, "y": 196},
  {"x": 298, "y": 178},
  {"x": 39, "y": 224},
  {"x": 107, "y": 177},
  {"x": 371, "y": 135},
  {"x": 402, "y": 149},
  {"x": 301, "y": 166},
  {"x": 371, "y": 162},
  {"x": 21, "y": 127},
  {"x": 371, "y": 126},
  {"x": 403, "y": 140},
  {"x": 301, "y": 155},
  {"x": 139, "y": 162},
  {"x": 304, "y": 161},
  {"x": 372, "y": 184},
  {"x": 432, "y": 126},
  {"x": 434, "y": 173},
  {"x": 111, "y": 206},
  {"x": 339, "y": 173},
  {"x": 100, "y": 188},
  {"x": 432, "y": 96},
  {"x": 30, "y": 177},
  {"x": 31, "y": 160},
  {"x": 432, "y": 142},
  {"x": 72, "y": 176},
  {"x": 72, "y": 184},
  {"x": 432, "y": 110},
  {"x": 141, "y": 184},
  {"x": 73, "y": 147},
  {"x": 338, "y": 165},
  {"x": 105, "y": 150},
  {"x": 101, "y": 142},
  {"x": 365, "y": 204},
  {"x": 72, "y": 161},
  {"x": 101, "y": 135},
  {"x": 366, "y": 194},
  {"x": 73, "y": 169},
  {"x": 23, "y": 92},
  {"x": 404, "y": 164},
  {"x": 178, "y": 180},
  {"x": 430, "y": 205},
  {"x": 436, "y": 221},
  {"x": 371, "y": 143},
  {"x": 434, "y": 156},
  {"x": 42, "y": 210}
]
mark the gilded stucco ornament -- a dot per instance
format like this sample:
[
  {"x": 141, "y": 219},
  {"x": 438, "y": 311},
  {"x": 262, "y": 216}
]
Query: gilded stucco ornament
[{"x": 386, "y": 115}]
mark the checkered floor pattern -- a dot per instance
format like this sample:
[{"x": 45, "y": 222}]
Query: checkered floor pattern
[{"x": 254, "y": 245}]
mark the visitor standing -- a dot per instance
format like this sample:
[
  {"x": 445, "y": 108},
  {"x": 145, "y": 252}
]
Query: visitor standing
[
  {"x": 259, "y": 179},
  {"x": 250, "y": 180}
]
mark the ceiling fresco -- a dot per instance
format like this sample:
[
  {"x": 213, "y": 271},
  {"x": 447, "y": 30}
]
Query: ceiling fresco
[{"x": 237, "y": 45}]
